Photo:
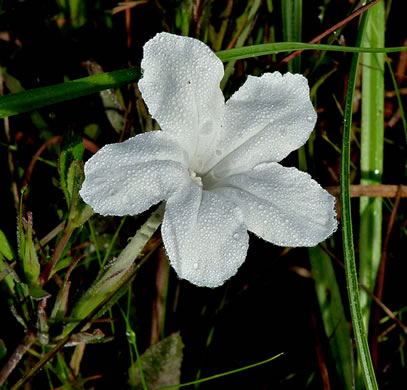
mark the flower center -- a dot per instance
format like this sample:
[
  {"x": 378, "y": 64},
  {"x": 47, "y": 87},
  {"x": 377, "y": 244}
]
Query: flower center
[{"x": 196, "y": 179}]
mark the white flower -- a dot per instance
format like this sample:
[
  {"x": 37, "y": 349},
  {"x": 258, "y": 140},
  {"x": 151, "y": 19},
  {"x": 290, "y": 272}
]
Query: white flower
[{"x": 214, "y": 163}]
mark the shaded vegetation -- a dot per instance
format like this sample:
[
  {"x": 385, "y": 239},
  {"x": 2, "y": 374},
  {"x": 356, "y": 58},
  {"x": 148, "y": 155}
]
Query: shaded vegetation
[{"x": 282, "y": 300}]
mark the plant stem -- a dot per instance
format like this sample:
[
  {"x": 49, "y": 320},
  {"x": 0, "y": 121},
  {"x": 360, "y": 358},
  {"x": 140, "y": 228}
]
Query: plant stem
[{"x": 16, "y": 356}]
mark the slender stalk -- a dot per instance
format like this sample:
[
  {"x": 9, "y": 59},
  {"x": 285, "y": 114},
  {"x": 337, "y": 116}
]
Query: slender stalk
[
  {"x": 371, "y": 153},
  {"x": 87, "y": 308},
  {"x": 365, "y": 360},
  {"x": 46, "y": 274},
  {"x": 118, "y": 271},
  {"x": 292, "y": 30},
  {"x": 17, "y": 355},
  {"x": 220, "y": 375}
]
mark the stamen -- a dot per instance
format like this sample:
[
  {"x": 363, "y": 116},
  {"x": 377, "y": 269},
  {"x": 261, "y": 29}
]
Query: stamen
[{"x": 196, "y": 179}]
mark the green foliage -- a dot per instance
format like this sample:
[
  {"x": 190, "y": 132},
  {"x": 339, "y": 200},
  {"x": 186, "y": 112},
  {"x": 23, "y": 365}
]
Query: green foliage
[
  {"x": 66, "y": 278},
  {"x": 371, "y": 153},
  {"x": 160, "y": 364},
  {"x": 333, "y": 315},
  {"x": 3, "y": 349},
  {"x": 31, "y": 100},
  {"x": 115, "y": 275},
  {"x": 6, "y": 253},
  {"x": 365, "y": 360},
  {"x": 5, "y": 248},
  {"x": 28, "y": 255},
  {"x": 71, "y": 150},
  {"x": 292, "y": 28}
]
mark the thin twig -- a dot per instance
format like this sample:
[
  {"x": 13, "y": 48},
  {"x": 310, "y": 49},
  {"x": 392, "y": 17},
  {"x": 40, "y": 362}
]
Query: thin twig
[
  {"x": 373, "y": 191},
  {"x": 331, "y": 29},
  {"x": 53, "y": 233},
  {"x": 46, "y": 274},
  {"x": 123, "y": 6},
  {"x": 17, "y": 356},
  {"x": 87, "y": 144}
]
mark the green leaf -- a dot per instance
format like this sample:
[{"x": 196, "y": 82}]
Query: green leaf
[
  {"x": 292, "y": 32},
  {"x": 5, "y": 247},
  {"x": 333, "y": 314},
  {"x": 161, "y": 364},
  {"x": 62, "y": 370},
  {"x": 280, "y": 47},
  {"x": 3, "y": 349},
  {"x": 6, "y": 277},
  {"x": 365, "y": 359},
  {"x": 38, "y": 293},
  {"x": 97, "y": 336},
  {"x": 72, "y": 149},
  {"x": 77, "y": 12},
  {"x": 292, "y": 28},
  {"x": 42, "y": 325},
  {"x": 244, "y": 25},
  {"x": 112, "y": 277},
  {"x": 14, "y": 86},
  {"x": 371, "y": 154},
  {"x": 61, "y": 303},
  {"x": 30, "y": 263},
  {"x": 80, "y": 212},
  {"x": 41, "y": 97},
  {"x": 114, "y": 108},
  {"x": 183, "y": 15}
]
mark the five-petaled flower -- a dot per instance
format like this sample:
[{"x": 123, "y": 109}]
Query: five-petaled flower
[{"x": 214, "y": 163}]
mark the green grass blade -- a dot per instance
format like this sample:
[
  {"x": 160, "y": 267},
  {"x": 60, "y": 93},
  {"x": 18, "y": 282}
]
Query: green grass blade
[
  {"x": 36, "y": 98},
  {"x": 365, "y": 359},
  {"x": 371, "y": 157},
  {"x": 333, "y": 314},
  {"x": 118, "y": 271},
  {"x": 281, "y": 47},
  {"x": 41, "y": 97},
  {"x": 221, "y": 375},
  {"x": 292, "y": 32},
  {"x": 292, "y": 28},
  {"x": 247, "y": 20}
]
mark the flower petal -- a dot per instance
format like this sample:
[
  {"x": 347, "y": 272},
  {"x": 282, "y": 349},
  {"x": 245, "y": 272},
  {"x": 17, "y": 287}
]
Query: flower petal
[
  {"x": 129, "y": 177},
  {"x": 265, "y": 120},
  {"x": 282, "y": 205},
  {"x": 204, "y": 235},
  {"x": 180, "y": 85}
]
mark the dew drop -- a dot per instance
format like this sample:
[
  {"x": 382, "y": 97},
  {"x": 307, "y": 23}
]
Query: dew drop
[
  {"x": 236, "y": 236},
  {"x": 196, "y": 266}
]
